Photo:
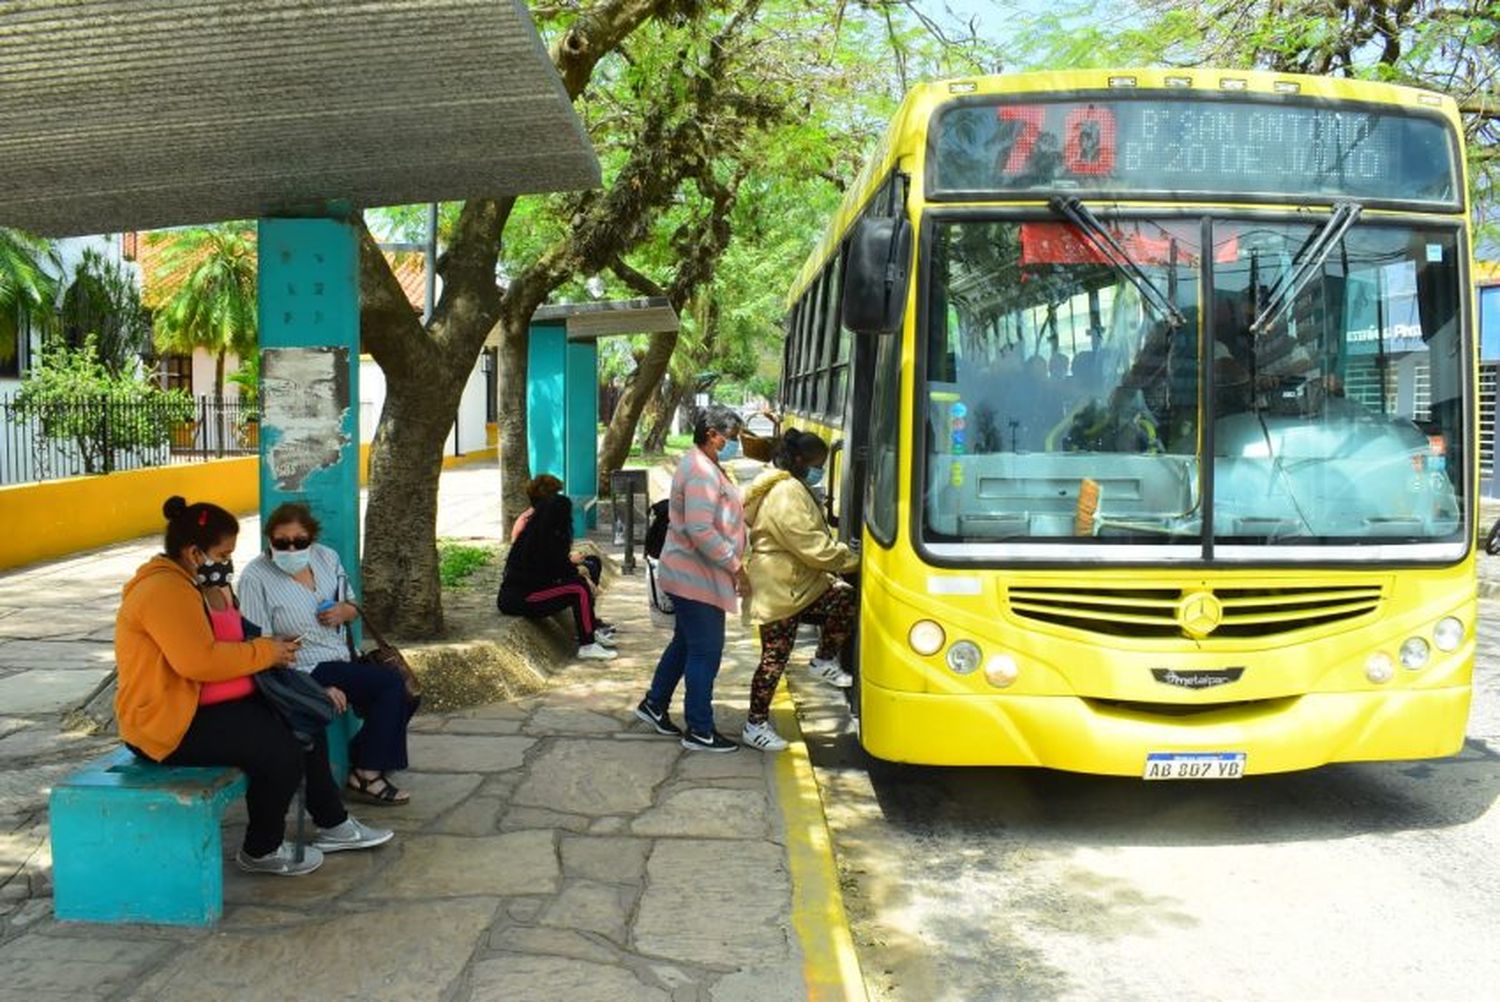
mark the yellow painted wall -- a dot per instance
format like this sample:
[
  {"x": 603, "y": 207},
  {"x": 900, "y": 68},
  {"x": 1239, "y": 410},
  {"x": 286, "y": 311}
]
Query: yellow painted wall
[{"x": 60, "y": 517}]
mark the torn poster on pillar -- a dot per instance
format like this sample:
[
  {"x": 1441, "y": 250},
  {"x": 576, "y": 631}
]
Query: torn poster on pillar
[{"x": 304, "y": 411}]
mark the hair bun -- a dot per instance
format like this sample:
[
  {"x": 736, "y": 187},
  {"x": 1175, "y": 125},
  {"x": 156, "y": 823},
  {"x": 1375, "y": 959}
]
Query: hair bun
[{"x": 175, "y": 507}]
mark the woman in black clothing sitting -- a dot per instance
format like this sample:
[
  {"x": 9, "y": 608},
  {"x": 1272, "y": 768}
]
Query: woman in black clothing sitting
[{"x": 541, "y": 578}]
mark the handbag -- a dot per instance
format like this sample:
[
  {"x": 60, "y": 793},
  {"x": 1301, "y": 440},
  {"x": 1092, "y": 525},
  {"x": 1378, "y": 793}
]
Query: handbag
[
  {"x": 663, "y": 612},
  {"x": 298, "y": 700},
  {"x": 385, "y": 655}
]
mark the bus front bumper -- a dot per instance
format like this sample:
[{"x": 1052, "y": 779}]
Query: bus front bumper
[{"x": 1084, "y": 735}]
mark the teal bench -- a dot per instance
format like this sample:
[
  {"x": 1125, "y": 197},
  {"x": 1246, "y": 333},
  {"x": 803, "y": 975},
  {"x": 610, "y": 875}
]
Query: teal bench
[
  {"x": 134, "y": 841},
  {"x": 341, "y": 731}
]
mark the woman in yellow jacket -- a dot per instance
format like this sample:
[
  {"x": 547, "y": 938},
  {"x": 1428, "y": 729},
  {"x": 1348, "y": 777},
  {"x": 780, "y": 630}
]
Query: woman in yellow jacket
[
  {"x": 186, "y": 697},
  {"x": 792, "y": 565}
]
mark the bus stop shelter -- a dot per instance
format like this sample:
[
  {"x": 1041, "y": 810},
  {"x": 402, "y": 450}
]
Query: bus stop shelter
[
  {"x": 562, "y": 388},
  {"x": 123, "y": 115}
]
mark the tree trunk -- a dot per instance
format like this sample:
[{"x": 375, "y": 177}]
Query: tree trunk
[
  {"x": 510, "y": 404},
  {"x": 218, "y": 405},
  {"x": 673, "y": 393},
  {"x": 621, "y": 431},
  {"x": 430, "y": 365},
  {"x": 402, "y": 588}
]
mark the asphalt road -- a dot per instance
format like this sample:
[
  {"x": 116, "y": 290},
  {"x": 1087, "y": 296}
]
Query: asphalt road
[{"x": 1349, "y": 882}]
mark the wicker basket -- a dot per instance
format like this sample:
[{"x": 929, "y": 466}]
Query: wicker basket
[{"x": 756, "y": 447}]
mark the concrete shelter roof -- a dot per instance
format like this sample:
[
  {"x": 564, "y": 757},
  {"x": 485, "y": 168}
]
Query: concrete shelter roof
[
  {"x": 610, "y": 318},
  {"x": 134, "y": 114}
]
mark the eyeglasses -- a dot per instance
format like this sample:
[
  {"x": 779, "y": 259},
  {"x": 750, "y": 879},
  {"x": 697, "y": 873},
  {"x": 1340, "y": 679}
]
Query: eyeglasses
[{"x": 300, "y": 543}]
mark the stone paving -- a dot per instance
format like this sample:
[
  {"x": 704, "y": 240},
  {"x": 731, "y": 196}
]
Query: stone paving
[{"x": 554, "y": 847}]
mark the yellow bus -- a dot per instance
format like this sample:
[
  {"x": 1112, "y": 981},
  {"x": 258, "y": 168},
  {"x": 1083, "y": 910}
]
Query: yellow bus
[{"x": 1154, "y": 392}]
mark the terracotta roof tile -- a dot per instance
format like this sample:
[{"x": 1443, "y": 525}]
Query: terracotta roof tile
[
  {"x": 408, "y": 266},
  {"x": 411, "y": 272}
]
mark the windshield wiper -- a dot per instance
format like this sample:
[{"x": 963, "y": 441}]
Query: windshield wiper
[
  {"x": 1075, "y": 212},
  {"x": 1308, "y": 262}
]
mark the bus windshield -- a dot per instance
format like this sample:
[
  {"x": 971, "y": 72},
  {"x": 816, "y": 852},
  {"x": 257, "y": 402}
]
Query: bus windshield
[{"x": 1064, "y": 406}]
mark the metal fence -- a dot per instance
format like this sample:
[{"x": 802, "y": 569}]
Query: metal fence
[{"x": 47, "y": 440}]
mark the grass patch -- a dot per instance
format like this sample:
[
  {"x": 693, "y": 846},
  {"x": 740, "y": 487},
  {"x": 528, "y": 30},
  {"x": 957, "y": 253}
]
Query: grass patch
[{"x": 456, "y": 561}]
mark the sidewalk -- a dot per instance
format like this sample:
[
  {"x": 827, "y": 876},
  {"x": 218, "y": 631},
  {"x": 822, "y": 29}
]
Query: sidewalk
[{"x": 554, "y": 848}]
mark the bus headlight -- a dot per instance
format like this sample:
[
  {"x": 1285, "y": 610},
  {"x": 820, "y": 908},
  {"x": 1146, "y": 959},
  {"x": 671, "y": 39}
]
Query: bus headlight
[
  {"x": 1001, "y": 671},
  {"x": 1448, "y": 634},
  {"x": 1379, "y": 668},
  {"x": 1414, "y": 653},
  {"x": 926, "y": 637},
  {"x": 963, "y": 657}
]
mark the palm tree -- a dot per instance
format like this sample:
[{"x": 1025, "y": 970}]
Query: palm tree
[
  {"x": 26, "y": 286},
  {"x": 207, "y": 279}
]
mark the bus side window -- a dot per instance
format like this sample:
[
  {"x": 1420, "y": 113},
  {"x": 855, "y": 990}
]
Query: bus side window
[{"x": 881, "y": 502}]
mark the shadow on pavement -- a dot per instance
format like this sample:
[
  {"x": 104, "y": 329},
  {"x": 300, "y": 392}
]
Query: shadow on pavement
[{"x": 1335, "y": 801}]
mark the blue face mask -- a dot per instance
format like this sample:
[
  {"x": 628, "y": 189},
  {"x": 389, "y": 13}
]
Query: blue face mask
[
  {"x": 291, "y": 561},
  {"x": 814, "y": 476},
  {"x": 731, "y": 450}
]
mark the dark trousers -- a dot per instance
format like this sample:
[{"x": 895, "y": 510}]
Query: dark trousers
[
  {"x": 573, "y": 596},
  {"x": 247, "y": 734},
  {"x": 378, "y": 695}
]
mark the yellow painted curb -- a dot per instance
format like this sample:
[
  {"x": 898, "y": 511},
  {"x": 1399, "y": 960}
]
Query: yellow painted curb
[{"x": 829, "y": 964}]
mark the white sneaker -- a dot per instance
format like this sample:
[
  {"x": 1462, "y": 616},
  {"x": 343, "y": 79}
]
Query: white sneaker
[
  {"x": 830, "y": 672},
  {"x": 763, "y": 736},
  {"x": 350, "y": 834},
  {"x": 604, "y": 636},
  {"x": 596, "y": 652},
  {"x": 283, "y": 862}
]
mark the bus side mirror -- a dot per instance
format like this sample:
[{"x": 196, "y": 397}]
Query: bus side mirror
[{"x": 876, "y": 275}]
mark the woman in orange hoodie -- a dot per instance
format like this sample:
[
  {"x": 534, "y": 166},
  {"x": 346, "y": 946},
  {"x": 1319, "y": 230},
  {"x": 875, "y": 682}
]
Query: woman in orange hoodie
[{"x": 186, "y": 698}]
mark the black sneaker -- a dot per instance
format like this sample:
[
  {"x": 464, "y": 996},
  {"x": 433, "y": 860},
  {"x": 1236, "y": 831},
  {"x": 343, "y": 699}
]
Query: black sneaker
[
  {"x": 713, "y": 742},
  {"x": 657, "y": 719}
]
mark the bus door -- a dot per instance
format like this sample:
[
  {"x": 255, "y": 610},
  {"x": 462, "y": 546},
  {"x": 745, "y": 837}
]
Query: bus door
[{"x": 848, "y": 504}]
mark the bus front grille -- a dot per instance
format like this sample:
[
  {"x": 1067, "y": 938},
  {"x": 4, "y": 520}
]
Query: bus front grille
[{"x": 1178, "y": 612}]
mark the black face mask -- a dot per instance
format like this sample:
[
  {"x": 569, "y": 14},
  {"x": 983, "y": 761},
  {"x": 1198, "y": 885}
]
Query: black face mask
[{"x": 216, "y": 573}]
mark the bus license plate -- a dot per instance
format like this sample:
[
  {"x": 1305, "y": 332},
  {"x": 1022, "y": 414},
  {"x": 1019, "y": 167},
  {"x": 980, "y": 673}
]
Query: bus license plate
[{"x": 1195, "y": 765}]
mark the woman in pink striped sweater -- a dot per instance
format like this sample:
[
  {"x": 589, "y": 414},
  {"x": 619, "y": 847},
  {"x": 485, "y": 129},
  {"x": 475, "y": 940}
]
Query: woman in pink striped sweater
[{"x": 700, "y": 568}]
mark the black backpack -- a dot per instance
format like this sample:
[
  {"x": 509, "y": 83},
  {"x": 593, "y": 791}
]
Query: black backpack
[{"x": 656, "y": 529}]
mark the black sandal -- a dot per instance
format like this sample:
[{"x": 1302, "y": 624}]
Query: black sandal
[{"x": 386, "y": 794}]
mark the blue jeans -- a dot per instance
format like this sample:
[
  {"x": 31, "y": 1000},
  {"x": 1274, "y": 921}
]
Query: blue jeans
[{"x": 695, "y": 652}]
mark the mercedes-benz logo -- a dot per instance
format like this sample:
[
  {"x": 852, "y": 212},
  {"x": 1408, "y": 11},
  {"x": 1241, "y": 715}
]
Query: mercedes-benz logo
[{"x": 1199, "y": 613}]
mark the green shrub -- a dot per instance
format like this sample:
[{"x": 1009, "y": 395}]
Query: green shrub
[{"x": 456, "y": 561}]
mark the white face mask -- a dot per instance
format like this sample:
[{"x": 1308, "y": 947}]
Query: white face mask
[{"x": 292, "y": 561}]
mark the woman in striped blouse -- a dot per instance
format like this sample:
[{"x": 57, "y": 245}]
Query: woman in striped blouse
[
  {"x": 700, "y": 568},
  {"x": 298, "y": 587}
]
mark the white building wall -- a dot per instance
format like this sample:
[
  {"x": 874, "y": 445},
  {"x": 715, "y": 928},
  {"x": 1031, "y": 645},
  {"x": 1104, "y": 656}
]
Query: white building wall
[
  {"x": 371, "y": 397},
  {"x": 469, "y": 434}
]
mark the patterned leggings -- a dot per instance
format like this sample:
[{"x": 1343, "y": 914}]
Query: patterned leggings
[{"x": 834, "y": 609}]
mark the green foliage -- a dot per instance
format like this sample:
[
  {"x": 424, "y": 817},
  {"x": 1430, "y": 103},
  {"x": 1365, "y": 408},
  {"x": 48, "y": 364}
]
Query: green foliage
[
  {"x": 104, "y": 301},
  {"x": 457, "y": 561},
  {"x": 1449, "y": 46},
  {"x": 209, "y": 274},
  {"x": 95, "y": 413},
  {"x": 247, "y": 378},
  {"x": 27, "y": 289}
]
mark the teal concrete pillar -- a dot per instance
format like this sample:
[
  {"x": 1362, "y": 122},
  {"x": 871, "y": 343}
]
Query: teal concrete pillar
[
  {"x": 581, "y": 392},
  {"x": 309, "y": 337},
  {"x": 546, "y": 400}
]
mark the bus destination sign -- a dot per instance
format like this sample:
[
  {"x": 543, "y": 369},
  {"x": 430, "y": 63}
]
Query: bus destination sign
[{"x": 1184, "y": 146}]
